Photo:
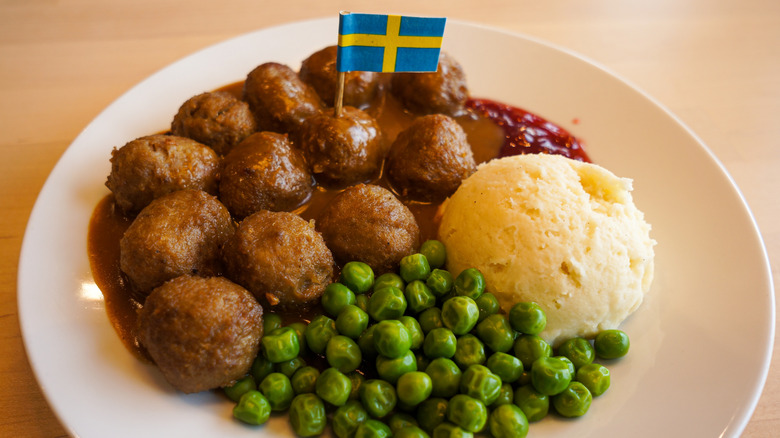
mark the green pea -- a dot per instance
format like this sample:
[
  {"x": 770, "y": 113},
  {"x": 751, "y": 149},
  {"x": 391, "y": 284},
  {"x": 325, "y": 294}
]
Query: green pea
[
  {"x": 431, "y": 413},
  {"x": 478, "y": 382},
  {"x": 271, "y": 321},
  {"x": 534, "y": 404},
  {"x": 595, "y": 377},
  {"x": 440, "y": 282},
  {"x": 392, "y": 338},
  {"x": 240, "y": 387},
  {"x": 335, "y": 297},
  {"x": 495, "y": 332},
  {"x": 435, "y": 252},
  {"x": 357, "y": 276},
  {"x": 529, "y": 348},
  {"x": 445, "y": 376},
  {"x": 389, "y": 279},
  {"x": 528, "y": 318},
  {"x": 419, "y": 296},
  {"x": 410, "y": 432},
  {"x": 378, "y": 397},
  {"x": 449, "y": 430},
  {"x": 460, "y": 314},
  {"x": 318, "y": 333},
  {"x": 252, "y": 408},
  {"x": 415, "y": 331},
  {"x": 470, "y": 283},
  {"x": 347, "y": 418},
  {"x": 487, "y": 304},
  {"x": 362, "y": 302},
  {"x": 505, "y": 366},
  {"x": 568, "y": 363},
  {"x": 300, "y": 329},
  {"x": 578, "y": 350},
  {"x": 506, "y": 396},
  {"x": 304, "y": 380},
  {"x": 574, "y": 401},
  {"x": 261, "y": 367},
  {"x": 366, "y": 343},
  {"x": 414, "y": 267},
  {"x": 550, "y": 375},
  {"x": 307, "y": 415},
  {"x": 469, "y": 351},
  {"x": 400, "y": 420},
  {"x": 281, "y": 345},
  {"x": 508, "y": 421},
  {"x": 343, "y": 354},
  {"x": 352, "y": 321},
  {"x": 611, "y": 344},
  {"x": 357, "y": 380},
  {"x": 333, "y": 387},
  {"x": 276, "y": 387},
  {"x": 387, "y": 303},
  {"x": 289, "y": 367},
  {"x": 390, "y": 369},
  {"x": 440, "y": 342},
  {"x": 467, "y": 412},
  {"x": 430, "y": 319},
  {"x": 414, "y": 388},
  {"x": 373, "y": 429}
]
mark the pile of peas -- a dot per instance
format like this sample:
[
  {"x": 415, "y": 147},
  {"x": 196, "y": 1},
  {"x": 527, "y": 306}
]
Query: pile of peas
[{"x": 425, "y": 355}]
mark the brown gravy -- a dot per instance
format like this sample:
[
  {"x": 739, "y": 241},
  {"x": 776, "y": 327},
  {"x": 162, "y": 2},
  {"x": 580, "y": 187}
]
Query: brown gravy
[{"x": 107, "y": 224}]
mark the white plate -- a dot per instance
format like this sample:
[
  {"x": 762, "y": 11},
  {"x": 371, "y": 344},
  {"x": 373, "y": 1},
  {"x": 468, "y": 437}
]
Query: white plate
[{"x": 701, "y": 343}]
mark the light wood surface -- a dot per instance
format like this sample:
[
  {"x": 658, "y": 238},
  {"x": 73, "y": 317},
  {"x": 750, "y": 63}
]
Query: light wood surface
[{"x": 714, "y": 63}]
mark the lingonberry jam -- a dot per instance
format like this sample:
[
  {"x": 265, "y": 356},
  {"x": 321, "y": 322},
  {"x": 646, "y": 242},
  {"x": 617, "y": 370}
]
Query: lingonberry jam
[{"x": 527, "y": 133}]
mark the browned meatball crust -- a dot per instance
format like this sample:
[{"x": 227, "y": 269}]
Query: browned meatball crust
[
  {"x": 319, "y": 71},
  {"x": 203, "y": 333},
  {"x": 429, "y": 159},
  {"x": 264, "y": 172},
  {"x": 180, "y": 233},
  {"x": 443, "y": 91},
  {"x": 368, "y": 223},
  {"x": 342, "y": 150},
  {"x": 216, "y": 119},
  {"x": 280, "y": 258},
  {"x": 149, "y": 167},
  {"x": 279, "y": 99}
]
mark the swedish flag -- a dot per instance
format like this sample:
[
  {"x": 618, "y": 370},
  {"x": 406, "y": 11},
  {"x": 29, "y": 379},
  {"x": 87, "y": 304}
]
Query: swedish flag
[{"x": 389, "y": 43}]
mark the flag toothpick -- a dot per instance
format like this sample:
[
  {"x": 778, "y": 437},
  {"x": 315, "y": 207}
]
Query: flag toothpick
[{"x": 386, "y": 43}]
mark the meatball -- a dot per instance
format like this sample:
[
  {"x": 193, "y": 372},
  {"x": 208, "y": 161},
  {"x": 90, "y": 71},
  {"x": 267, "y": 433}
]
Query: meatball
[
  {"x": 368, "y": 223},
  {"x": 429, "y": 159},
  {"x": 319, "y": 71},
  {"x": 342, "y": 150},
  {"x": 279, "y": 99},
  {"x": 217, "y": 119},
  {"x": 443, "y": 91},
  {"x": 203, "y": 333},
  {"x": 149, "y": 167},
  {"x": 280, "y": 258},
  {"x": 180, "y": 233},
  {"x": 264, "y": 172}
]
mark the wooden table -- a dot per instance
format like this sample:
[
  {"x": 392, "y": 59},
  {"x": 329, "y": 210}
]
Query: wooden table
[{"x": 716, "y": 64}]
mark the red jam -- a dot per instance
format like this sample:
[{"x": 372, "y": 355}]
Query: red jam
[{"x": 527, "y": 133}]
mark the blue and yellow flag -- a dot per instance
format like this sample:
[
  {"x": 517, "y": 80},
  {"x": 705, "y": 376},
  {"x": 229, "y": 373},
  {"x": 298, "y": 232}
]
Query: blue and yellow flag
[{"x": 389, "y": 43}]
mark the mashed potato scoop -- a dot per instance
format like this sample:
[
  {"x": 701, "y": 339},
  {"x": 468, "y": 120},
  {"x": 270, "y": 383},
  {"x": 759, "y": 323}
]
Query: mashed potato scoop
[{"x": 560, "y": 232}]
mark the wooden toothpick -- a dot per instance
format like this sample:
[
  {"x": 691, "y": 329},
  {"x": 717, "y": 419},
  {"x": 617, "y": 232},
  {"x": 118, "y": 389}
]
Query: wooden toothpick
[{"x": 339, "y": 95}]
